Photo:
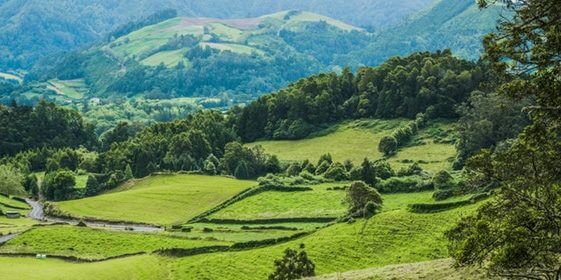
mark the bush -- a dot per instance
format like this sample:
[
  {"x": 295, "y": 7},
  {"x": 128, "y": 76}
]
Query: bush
[
  {"x": 403, "y": 184},
  {"x": 388, "y": 145},
  {"x": 443, "y": 180},
  {"x": 336, "y": 172},
  {"x": 442, "y": 194},
  {"x": 359, "y": 195}
]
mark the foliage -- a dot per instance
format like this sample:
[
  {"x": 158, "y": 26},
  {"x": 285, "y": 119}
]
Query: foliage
[
  {"x": 514, "y": 235},
  {"x": 45, "y": 125},
  {"x": 363, "y": 200},
  {"x": 58, "y": 185},
  {"x": 482, "y": 122},
  {"x": 11, "y": 181},
  {"x": 401, "y": 87},
  {"x": 293, "y": 265}
]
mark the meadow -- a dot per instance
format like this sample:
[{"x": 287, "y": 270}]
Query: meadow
[
  {"x": 74, "y": 89},
  {"x": 94, "y": 244},
  {"x": 167, "y": 58},
  {"x": 318, "y": 202},
  {"x": 353, "y": 140},
  {"x": 432, "y": 148},
  {"x": 159, "y": 199}
]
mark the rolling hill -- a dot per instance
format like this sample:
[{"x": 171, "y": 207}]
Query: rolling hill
[{"x": 64, "y": 25}]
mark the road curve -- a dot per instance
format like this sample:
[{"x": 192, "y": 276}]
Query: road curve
[
  {"x": 6, "y": 238},
  {"x": 38, "y": 214}
]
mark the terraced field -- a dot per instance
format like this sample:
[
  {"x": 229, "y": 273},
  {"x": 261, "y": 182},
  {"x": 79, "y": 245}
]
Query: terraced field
[
  {"x": 94, "y": 244},
  {"x": 168, "y": 58},
  {"x": 74, "y": 89},
  {"x": 317, "y": 203},
  {"x": 160, "y": 200}
]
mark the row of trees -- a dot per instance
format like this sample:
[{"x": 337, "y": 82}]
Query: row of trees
[{"x": 45, "y": 125}]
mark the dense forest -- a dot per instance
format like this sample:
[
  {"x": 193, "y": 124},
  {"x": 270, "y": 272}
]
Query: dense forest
[{"x": 400, "y": 88}]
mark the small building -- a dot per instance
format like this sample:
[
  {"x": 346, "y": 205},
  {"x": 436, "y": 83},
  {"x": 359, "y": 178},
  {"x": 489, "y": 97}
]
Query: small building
[{"x": 13, "y": 215}]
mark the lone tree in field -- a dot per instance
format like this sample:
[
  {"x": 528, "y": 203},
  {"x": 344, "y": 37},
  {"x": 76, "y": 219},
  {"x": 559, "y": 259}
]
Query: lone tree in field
[
  {"x": 518, "y": 234},
  {"x": 388, "y": 145},
  {"x": 294, "y": 265},
  {"x": 364, "y": 201}
]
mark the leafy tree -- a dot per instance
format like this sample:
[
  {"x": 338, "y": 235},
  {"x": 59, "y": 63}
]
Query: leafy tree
[
  {"x": 442, "y": 180},
  {"x": 367, "y": 172},
  {"x": 359, "y": 196},
  {"x": 59, "y": 185},
  {"x": 242, "y": 170},
  {"x": 30, "y": 184},
  {"x": 383, "y": 169},
  {"x": 516, "y": 234},
  {"x": 388, "y": 145},
  {"x": 294, "y": 265},
  {"x": 336, "y": 172},
  {"x": 482, "y": 122},
  {"x": 11, "y": 180}
]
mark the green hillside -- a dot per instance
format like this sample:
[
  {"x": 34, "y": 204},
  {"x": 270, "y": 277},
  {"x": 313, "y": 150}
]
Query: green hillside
[
  {"x": 354, "y": 140},
  {"x": 161, "y": 200}
]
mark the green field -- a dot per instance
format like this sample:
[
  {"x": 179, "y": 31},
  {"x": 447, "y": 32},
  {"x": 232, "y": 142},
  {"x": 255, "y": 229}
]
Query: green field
[
  {"x": 391, "y": 237},
  {"x": 352, "y": 140},
  {"x": 168, "y": 58},
  {"x": 358, "y": 139},
  {"x": 12, "y": 203},
  {"x": 94, "y": 244},
  {"x": 235, "y": 48},
  {"x": 300, "y": 17},
  {"x": 273, "y": 204},
  {"x": 138, "y": 267},
  {"x": 74, "y": 89},
  {"x": 161, "y": 200},
  {"x": 10, "y": 76},
  {"x": 9, "y": 226},
  {"x": 394, "y": 236}
]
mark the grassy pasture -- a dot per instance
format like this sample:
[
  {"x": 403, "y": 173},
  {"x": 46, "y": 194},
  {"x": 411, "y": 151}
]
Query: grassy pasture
[
  {"x": 300, "y": 17},
  {"x": 168, "y": 58},
  {"x": 137, "y": 267},
  {"x": 235, "y": 48},
  {"x": 94, "y": 244},
  {"x": 10, "y": 76},
  {"x": 235, "y": 232},
  {"x": 272, "y": 204},
  {"x": 151, "y": 37},
  {"x": 352, "y": 140},
  {"x": 355, "y": 140},
  {"x": 8, "y": 226},
  {"x": 162, "y": 200},
  {"x": 391, "y": 237},
  {"x": 8, "y": 202},
  {"x": 74, "y": 89}
]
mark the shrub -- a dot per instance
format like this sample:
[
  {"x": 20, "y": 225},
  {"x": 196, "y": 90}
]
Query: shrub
[
  {"x": 403, "y": 184},
  {"x": 442, "y": 194},
  {"x": 383, "y": 169},
  {"x": 443, "y": 180},
  {"x": 336, "y": 172},
  {"x": 294, "y": 265},
  {"x": 388, "y": 145},
  {"x": 359, "y": 195}
]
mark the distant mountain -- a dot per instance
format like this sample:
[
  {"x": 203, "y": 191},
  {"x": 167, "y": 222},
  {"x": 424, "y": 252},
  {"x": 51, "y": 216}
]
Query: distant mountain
[
  {"x": 32, "y": 29},
  {"x": 207, "y": 57},
  {"x": 458, "y": 25}
]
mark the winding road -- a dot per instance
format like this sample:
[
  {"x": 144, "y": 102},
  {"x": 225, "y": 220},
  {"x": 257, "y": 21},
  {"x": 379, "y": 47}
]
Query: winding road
[{"x": 38, "y": 214}]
